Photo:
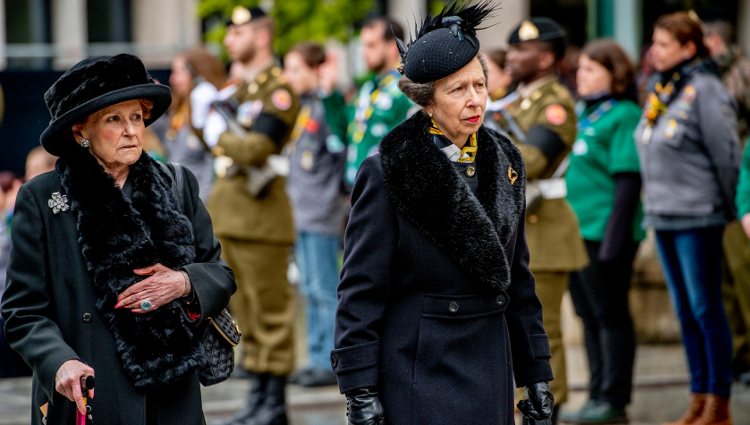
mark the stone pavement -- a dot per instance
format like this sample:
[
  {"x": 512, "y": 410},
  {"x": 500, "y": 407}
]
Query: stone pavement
[{"x": 660, "y": 394}]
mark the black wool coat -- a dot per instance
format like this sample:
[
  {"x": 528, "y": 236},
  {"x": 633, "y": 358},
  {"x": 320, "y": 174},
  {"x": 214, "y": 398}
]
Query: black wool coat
[
  {"x": 437, "y": 306},
  {"x": 53, "y": 312}
]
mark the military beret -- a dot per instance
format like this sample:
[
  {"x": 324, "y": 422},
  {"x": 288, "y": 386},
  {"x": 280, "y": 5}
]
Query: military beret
[
  {"x": 445, "y": 43},
  {"x": 242, "y": 15},
  {"x": 536, "y": 29}
]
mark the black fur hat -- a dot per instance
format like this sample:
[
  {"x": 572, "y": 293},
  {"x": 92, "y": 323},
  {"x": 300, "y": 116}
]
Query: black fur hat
[
  {"x": 446, "y": 42},
  {"x": 95, "y": 83}
]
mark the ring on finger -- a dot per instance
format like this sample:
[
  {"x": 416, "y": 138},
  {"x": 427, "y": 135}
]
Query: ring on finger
[{"x": 146, "y": 305}]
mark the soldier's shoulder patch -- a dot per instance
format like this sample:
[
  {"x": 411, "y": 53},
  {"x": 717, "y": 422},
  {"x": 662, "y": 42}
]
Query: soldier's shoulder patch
[
  {"x": 281, "y": 99},
  {"x": 555, "y": 114}
]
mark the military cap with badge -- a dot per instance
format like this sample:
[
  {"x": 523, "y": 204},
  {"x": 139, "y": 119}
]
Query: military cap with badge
[{"x": 242, "y": 15}]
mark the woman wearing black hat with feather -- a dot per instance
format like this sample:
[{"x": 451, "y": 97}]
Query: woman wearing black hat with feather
[
  {"x": 112, "y": 270},
  {"x": 437, "y": 309}
]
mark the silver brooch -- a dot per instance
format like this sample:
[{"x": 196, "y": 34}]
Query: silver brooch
[{"x": 58, "y": 203}]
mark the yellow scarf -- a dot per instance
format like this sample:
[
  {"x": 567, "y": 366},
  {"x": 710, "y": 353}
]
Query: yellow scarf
[{"x": 468, "y": 152}]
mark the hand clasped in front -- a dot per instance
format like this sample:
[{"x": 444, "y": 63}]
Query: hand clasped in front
[{"x": 162, "y": 286}]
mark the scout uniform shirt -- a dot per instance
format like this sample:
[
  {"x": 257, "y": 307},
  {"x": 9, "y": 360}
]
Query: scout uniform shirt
[
  {"x": 605, "y": 146},
  {"x": 266, "y": 109},
  {"x": 378, "y": 108},
  {"x": 542, "y": 123}
]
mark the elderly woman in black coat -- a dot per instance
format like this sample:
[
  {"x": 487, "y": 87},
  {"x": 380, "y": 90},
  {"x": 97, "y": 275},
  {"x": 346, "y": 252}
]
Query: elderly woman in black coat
[
  {"x": 112, "y": 271},
  {"x": 437, "y": 308}
]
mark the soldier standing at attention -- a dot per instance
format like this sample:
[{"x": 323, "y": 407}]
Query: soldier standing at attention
[
  {"x": 252, "y": 214},
  {"x": 542, "y": 122},
  {"x": 379, "y": 105}
]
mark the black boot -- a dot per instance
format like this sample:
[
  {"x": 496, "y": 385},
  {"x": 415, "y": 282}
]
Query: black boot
[
  {"x": 255, "y": 400},
  {"x": 273, "y": 410}
]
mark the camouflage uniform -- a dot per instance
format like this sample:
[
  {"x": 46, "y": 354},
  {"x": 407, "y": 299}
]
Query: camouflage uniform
[
  {"x": 256, "y": 230},
  {"x": 542, "y": 123}
]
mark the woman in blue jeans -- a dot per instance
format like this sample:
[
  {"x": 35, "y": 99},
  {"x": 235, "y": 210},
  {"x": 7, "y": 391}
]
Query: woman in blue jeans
[
  {"x": 316, "y": 161},
  {"x": 689, "y": 152}
]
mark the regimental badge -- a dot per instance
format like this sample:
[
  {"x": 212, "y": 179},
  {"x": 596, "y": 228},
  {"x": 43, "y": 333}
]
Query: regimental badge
[
  {"x": 281, "y": 99},
  {"x": 307, "y": 161},
  {"x": 58, "y": 203},
  {"x": 385, "y": 102},
  {"x": 512, "y": 175},
  {"x": 241, "y": 15},
  {"x": 671, "y": 129},
  {"x": 580, "y": 147},
  {"x": 689, "y": 93},
  {"x": 528, "y": 31},
  {"x": 555, "y": 114}
]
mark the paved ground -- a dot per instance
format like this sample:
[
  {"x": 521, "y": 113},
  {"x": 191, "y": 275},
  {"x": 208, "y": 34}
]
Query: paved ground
[{"x": 660, "y": 395}]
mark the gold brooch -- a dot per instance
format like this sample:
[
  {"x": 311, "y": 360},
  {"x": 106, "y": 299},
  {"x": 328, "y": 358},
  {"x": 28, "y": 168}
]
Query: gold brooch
[{"x": 512, "y": 175}]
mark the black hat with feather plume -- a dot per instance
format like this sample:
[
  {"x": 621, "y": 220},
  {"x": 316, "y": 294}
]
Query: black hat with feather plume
[{"x": 445, "y": 43}]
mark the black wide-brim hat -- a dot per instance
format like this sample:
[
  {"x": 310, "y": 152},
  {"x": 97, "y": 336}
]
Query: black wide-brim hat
[{"x": 93, "y": 84}]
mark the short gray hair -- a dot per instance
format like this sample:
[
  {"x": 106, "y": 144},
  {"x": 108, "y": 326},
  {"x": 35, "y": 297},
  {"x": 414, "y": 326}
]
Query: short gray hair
[{"x": 424, "y": 93}]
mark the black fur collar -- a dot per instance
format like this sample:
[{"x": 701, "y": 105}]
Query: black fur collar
[
  {"x": 426, "y": 188},
  {"x": 117, "y": 235}
]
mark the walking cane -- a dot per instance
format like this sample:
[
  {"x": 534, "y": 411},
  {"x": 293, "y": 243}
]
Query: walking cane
[{"x": 87, "y": 384}]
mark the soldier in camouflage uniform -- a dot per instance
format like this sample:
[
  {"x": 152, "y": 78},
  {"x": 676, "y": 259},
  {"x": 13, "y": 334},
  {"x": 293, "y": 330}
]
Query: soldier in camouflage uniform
[
  {"x": 252, "y": 214},
  {"x": 541, "y": 121},
  {"x": 380, "y": 105},
  {"x": 735, "y": 74}
]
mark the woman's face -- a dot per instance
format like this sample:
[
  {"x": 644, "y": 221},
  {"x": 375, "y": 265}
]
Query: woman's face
[
  {"x": 115, "y": 133},
  {"x": 180, "y": 79},
  {"x": 301, "y": 77},
  {"x": 667, "y": 52},
  {"x": 460, "y": 101},
  {"x": 592, "y": 77}
]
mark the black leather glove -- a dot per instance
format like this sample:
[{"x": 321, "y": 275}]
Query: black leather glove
[
  {"x": 363, "y": 407},
  {"x": 539, "y": 401}
]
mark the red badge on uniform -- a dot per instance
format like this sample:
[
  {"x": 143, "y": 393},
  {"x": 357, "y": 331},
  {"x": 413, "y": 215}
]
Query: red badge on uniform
[
  {"x": 555, "y": 114},
  {"x": 281, "y": 99}
]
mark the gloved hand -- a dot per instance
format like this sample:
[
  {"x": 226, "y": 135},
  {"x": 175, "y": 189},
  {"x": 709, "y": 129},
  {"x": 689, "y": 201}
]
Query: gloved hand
[
  {"x": 201, "y": 98},
  {"x": 539, "y": 401},
  {"x": 363, "y": 407},
  {"x": 215, "y": 126}
]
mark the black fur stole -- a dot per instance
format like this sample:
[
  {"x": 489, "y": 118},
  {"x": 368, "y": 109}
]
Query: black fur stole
[
  {"x": 117, "y": 235},
  {"x": 426, "y": 188}
]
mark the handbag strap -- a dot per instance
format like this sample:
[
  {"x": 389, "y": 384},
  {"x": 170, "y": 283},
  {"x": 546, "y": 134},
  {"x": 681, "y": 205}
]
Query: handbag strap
[{"x": 177, "y": 176}]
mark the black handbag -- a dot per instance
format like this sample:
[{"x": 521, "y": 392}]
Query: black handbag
[{"x": 222, "y": 333}]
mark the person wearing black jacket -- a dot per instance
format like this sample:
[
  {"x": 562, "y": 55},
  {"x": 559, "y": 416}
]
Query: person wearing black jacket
[
  {"x": 438, "y": 314},
  {"x": 604, "y": 185},
  {"x": 108, "y": 276}
]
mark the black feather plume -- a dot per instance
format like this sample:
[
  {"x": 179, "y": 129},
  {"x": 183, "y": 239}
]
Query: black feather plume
[{"x": 463, "y": 19}]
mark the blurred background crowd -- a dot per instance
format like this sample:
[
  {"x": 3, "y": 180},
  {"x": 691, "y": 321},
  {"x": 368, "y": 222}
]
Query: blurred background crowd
[{"x": 630, "y": 77}]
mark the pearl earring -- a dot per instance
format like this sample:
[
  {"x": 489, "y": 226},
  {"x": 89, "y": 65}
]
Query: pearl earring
[{"x": 85, "y": 143}]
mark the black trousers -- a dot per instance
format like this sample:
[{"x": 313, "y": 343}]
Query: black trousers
[{"x": 600, "y": 296}]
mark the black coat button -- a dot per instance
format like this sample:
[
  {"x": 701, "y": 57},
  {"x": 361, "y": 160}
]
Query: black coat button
[
  {"x": 334, "y": 361},
  {"x": 453, "y": 307},
  {"x": 501, "y": 299},
  {"x": 86, "y": 317}
]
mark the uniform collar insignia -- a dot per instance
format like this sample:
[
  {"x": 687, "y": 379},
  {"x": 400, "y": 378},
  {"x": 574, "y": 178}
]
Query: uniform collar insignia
[{"x": 58, "y": 203}]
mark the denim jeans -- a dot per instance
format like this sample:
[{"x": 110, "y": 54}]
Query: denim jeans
[
  {"x": 317, "y": 258},
  {"x": 692, "y": 262}
]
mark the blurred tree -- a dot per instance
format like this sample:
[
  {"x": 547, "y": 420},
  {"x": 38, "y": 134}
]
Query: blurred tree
[{"x": 296, "y": 20}]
